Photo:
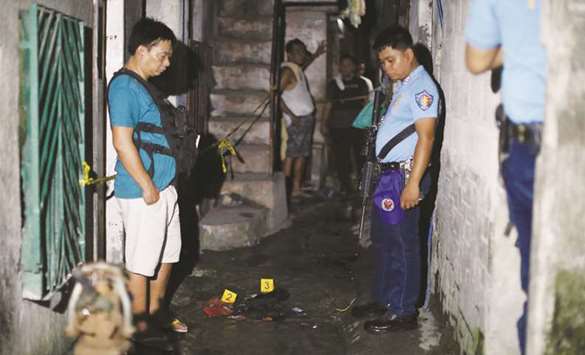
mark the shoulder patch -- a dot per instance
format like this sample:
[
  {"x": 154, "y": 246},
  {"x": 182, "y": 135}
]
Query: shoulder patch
[{"x": 424, "y": 100}]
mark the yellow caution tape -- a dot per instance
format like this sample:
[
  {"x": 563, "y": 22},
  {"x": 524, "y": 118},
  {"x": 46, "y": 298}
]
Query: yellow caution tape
[
  {"x": 87, "y": 180},
  {"x": 266, "y": 285},
  {"x": 224, "y": 145},
  {"x": 341, "y": 310}
]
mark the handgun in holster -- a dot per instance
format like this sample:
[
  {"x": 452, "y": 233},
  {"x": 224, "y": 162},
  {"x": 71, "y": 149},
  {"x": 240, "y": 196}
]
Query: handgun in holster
[{"x": 504, "y": 139}]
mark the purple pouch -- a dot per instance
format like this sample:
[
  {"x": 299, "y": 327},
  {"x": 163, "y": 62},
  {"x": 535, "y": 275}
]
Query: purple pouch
[{"x": 387, "y": 196}]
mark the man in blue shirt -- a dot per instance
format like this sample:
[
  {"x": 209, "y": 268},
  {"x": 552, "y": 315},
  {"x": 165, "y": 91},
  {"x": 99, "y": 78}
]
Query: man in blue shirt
[
  {"x": 403, "y": 183},
  {"x": 143, "y": 189},
  {"x": 507, "y": 32}
]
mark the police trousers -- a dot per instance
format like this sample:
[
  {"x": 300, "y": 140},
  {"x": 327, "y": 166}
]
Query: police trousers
[
  {"x": 397, "y": 271},
  {"x": 518, "y": 173}
]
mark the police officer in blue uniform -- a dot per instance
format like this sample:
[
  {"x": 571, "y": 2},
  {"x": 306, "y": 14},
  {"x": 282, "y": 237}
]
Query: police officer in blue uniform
[
  {"x": 507, "y": 32},
  {"x": 404, "y": 143}
]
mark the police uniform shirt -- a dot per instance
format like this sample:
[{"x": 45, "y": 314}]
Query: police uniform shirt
[
  {"x": 515, "y": 26},
  {"x": 128, "y": 104},
  {"x": 414, "y": 98}
]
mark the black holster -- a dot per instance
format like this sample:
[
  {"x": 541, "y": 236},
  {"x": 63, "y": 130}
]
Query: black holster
[{"x": 504, "y": 138}]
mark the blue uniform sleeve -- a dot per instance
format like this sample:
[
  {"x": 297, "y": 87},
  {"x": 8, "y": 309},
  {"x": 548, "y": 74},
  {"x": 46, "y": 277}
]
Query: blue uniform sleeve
[
  {"x": 123, "y": 103},
  {"x": 482, "y": 30},
  {"x": 424, "y": 100}
]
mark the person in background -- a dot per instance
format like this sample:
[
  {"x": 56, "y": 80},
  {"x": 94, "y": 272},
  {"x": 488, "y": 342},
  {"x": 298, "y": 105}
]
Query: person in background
[
  {"x": 298, "y": 109},
  {"x": 348, "y": 93},
  {"x": 506, "y": 32}
]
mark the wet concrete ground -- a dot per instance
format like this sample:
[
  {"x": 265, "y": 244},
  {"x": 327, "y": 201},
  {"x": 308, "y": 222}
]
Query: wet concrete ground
[{"x": 315, "y": 260}]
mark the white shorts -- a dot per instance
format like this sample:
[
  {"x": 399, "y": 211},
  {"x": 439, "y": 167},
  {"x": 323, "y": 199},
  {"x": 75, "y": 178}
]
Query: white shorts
[{"x": 153, "y": 232}]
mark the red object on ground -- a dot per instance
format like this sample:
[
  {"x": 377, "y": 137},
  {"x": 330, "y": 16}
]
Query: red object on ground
[{"x": 216, "y": 308}]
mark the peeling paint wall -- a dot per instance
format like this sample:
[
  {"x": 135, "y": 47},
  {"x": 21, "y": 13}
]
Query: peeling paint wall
[
  {"x": 26, "y": 327},
  {"x": 558, "y": 248},
  {"x": 567, "y": 333},
  {"x": 421, "y": 21}
]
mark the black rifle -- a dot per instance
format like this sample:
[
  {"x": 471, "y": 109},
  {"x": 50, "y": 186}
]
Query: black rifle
[{"x": 370, "y": 166}]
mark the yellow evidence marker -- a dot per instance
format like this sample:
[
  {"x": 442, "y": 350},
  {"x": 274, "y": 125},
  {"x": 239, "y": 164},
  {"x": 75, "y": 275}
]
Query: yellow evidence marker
[
  {"x": 229, "y": 296},
  {"x": 266, "y": 285}
]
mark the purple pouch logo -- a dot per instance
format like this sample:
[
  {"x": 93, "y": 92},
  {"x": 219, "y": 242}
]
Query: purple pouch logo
[
  {"x": 387, "y": 197},
  {"x": 387, "y": 205}
]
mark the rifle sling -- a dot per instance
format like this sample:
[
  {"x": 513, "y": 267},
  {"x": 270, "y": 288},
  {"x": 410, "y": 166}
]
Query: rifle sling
[{"x": 405, "y": 133}]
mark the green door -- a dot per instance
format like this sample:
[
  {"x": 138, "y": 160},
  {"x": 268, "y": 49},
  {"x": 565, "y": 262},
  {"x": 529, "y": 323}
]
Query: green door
[{"x": 52, "y": 148}]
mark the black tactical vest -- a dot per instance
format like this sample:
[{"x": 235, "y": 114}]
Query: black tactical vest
[{"x": 175, "y": 127}]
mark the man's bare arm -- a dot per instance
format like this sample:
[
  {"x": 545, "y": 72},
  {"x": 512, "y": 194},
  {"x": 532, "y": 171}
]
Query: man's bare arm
[
  {"x": 130, "y": 158},
  {"x": 425, "y": 129},
  {"x": 482, "y": 60},
  {"x": 312, "y": 56}
]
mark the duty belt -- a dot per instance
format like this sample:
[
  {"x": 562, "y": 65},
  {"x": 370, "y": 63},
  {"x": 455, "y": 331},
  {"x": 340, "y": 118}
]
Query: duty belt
[
  {"x": 395, "y": 165},
  {"x": 389, "y": 166},
  {"x": 525, "y": 133},
  {"x": 405, "y": 166}
]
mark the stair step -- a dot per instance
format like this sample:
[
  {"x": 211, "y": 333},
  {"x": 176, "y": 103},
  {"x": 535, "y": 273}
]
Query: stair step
[
  {"x": 258, "y": 134},
  {"x": 238, "y": 102},
  {"x": 255, "y": 187},
  {"x": 266, "y": 190},
  {"x": 242, "y": 76},
  {"x": 229, "y": 50},
  {"x": 255, "y": 28},
  {"x": 257, "y": 157},
  {"x": 227, "y": 228},
  {"x": 248, "y": 8}
]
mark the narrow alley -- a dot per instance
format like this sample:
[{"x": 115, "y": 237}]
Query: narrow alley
[{"x": 267, "y": 177}]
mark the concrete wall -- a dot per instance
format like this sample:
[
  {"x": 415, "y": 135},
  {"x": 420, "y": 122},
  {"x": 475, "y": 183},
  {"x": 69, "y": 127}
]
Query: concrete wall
[
  {"x": 169, "y": 12},
  {"x": 310, "y": 26},
  {"x": 25, "y": 327},
  {"x": 556, "y": 324},
  {"x": 475, "y": 268},
  {"x": 115, "y": 49},
  {"x": 421, "y": 21}
]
